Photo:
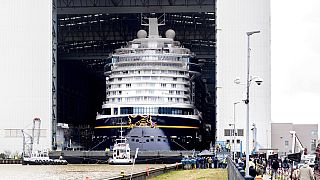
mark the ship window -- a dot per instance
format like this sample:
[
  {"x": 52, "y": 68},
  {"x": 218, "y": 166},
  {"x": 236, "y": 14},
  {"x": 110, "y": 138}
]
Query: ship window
[
  {"x": 164, "y": 140},
  {"x": 115, "y": 111},
  {"x": 152, "y": 140},
  {"x": 174, "y": 79},
  {"x": 137, "y": 140},
  {"x": 163, "y": 85},
  {"x": 106, "y": 111},
  {"x": 126, "y": 110},
  {"x": 132, "y": 139},
  {"x": 147, "y": 140},
  {"x": 119, "y": 79},
  {"x": 159, "y": 140},
  {"x": 173, "y": 85}
]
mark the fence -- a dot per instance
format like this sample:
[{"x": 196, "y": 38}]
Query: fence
[
  {"x": 233, "y": 171},
  {"x": 148, "y": 173}
]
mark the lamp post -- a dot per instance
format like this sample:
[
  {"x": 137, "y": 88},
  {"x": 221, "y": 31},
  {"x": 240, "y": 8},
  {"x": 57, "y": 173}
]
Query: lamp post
[
  {"x": 247, "y": 101},
  {"x": 231, "y": 137},
  {"x": 234, "y": 130}
]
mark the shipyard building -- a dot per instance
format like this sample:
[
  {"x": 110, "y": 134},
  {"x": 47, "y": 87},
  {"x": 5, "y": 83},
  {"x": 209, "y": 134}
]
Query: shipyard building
[
  {"x": 62, "y": 67},
  {"x": 58, "y": 73}
]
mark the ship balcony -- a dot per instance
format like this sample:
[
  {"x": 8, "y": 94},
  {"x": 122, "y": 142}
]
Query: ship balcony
[
  {"x": 194, "y": 68},
  {"x": 156, "y": 62},
  {"x": 169, "y": 68},
  {"x": 140, "y": 103},
  {"x": 173, "y": 53},
  {"x": 148, "y": 81},
  {"x": 144, "y": 74},
  {"x": 131, "y": 90}
]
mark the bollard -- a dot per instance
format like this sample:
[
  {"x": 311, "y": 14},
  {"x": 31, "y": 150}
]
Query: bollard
[
  {"x": 242, "y": 172},
  {"x": 249, "y": 178},
  {"x": 122, "y": 173}
]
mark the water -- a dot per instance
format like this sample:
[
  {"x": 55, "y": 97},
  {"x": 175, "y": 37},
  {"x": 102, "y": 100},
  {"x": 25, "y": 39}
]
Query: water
[{"x": 68, "y": 172}]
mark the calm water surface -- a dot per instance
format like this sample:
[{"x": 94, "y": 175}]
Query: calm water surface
[{"x": 71, "y": 171}]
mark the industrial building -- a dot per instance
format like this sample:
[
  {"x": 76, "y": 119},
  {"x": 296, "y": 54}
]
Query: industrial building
[
  {"x": 282, "y": 137},
  {"x": 234, "y": 19},
  {"x": 58, "y": 75}
]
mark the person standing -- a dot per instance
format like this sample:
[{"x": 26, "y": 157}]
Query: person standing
[
  {"x": 305, "y": 172},
  {"x": 275, "y": 167}
]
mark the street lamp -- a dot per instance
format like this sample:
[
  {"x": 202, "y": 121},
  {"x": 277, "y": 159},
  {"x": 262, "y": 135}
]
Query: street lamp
[
  {"x": 234, "y": 130},
  {"x": 231, "y": 137},
  {"x": 246, "y": 101}
]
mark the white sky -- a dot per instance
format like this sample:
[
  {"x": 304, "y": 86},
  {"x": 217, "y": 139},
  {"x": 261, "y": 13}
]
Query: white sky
[{"x": 295, "y": 49}]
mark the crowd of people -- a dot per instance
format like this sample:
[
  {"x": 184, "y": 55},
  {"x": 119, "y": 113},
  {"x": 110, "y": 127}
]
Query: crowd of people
[
  {"x": 203, "y": 162},
  {"x": 277, "y": 168}
]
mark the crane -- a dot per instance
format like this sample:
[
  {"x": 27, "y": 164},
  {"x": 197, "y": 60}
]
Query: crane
[
  {"x": 28, "y": 140},
  {"x": 296, "y": 141}
]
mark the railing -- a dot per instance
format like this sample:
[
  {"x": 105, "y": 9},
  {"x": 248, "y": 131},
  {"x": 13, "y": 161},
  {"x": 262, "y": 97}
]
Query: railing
[
  {"x": 145, "y": 174},
  {"x": 233, "y": 171}
]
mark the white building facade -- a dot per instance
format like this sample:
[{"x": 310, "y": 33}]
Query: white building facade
[
  {"x": 234, "y": 19},
  {"x": 25, "y": 68}
]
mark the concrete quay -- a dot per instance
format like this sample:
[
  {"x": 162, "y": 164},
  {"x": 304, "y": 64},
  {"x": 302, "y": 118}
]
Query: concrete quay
[
  {"x": 10, "y": 161},
  {"x": 87, "y": 157}
]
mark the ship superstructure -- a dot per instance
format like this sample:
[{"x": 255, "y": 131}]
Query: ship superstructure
[{"x": 149, "y": 86}]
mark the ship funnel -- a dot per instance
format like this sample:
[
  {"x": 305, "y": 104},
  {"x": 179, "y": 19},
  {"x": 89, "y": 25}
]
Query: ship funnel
[
  {"x": 153, "y": 28},
  {"x": 153, "y": 25}
]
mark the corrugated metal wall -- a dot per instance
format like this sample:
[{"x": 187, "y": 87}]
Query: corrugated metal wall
[{"x": 25, "y": 69}]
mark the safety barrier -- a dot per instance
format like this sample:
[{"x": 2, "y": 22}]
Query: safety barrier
[
  {"x": 142, "y": 175},
  {"x": 234, "y": 171}
]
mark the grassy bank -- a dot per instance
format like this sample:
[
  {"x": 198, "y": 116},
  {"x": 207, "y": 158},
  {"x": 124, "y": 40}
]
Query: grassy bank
[{"x": 215, "y": 174}]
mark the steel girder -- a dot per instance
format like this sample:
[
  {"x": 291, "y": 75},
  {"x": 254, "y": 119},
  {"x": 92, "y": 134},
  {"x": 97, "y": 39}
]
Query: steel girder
[
  {"x": 134, "y": 6},
  {"x": 54, "y": 74}
]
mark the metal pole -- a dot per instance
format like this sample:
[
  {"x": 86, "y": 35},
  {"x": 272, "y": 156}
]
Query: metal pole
[
  {"x": 231, "y": 136},
  {"x": 234, "y": 130},
  {"x": 247, "y": 103}
]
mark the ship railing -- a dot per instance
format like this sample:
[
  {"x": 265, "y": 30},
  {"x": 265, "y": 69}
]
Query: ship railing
[
  {"x": 148, "y": 67},
  {"x": 151, "y": 57}
]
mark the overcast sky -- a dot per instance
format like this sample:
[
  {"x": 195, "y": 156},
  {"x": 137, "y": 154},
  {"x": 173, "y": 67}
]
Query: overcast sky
[{"x": 295, "y": 49}]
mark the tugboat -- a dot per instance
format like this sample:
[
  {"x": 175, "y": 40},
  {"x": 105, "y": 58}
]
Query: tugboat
[
  {"x": 42, "y": 158},
  {"x": 121, "y": 151},
  {"x": 31, "y": 153}
]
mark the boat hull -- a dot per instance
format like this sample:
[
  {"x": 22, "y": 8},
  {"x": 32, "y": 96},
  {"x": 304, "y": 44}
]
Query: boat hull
[{"x": 149, "y": 133}]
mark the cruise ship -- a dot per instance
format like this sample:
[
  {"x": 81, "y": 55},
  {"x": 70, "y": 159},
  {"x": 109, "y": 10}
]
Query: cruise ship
[{"x": 150, "y": 94}]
